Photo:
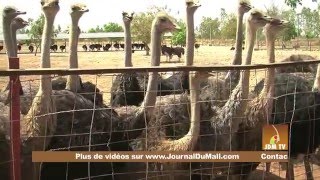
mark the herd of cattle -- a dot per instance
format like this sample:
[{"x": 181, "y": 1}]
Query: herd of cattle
[{"x": 169, "y": 52}]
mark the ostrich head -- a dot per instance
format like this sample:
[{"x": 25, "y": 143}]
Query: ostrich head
[
  {"x": 18, "y": 23},
  {"x": 274, "y": 27},
  {"x": 10, "y": 12},
  {"x": 77, "y": 10},
  {"x": 191, "y": 5},
  {"x": 50, "y": 8},
  {"x": 127, "y": 17},
  {"x": 244, "y": 6},
  {"x": 257, "y": 19},
  {"x": 164, "y": 23}
]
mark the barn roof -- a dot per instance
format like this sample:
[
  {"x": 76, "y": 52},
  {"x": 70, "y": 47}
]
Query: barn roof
[{"x": 82, "y": 35}]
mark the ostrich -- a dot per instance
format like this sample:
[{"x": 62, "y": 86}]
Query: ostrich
[
  {"x": 218, "y": 132},
  {"x": 125, "y": 88},
  {"x": 40, "y": 121},
  {"x": 74, "y": 82},
  {"x": 232, "y": 77},
  {"x": 10, "y": 39},
  {"x": 215, "y": 88},
  {"x": 258, "y": 110}
]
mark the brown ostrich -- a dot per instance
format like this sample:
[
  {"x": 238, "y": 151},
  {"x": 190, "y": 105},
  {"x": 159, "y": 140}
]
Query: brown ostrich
[
  {"x": 217, "y": 89},
  {"x": 259, "y": 110}
]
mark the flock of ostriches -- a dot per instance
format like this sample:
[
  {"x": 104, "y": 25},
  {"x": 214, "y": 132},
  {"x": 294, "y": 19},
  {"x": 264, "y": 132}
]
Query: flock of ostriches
[{"x": 185, "y": 112}]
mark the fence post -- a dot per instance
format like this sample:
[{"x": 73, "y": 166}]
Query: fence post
[{"x": 14, "y": 93}]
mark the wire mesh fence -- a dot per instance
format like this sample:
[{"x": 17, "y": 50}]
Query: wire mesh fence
[{"x": 107, "y": 113}]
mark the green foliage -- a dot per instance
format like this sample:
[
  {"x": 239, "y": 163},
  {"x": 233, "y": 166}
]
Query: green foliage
[
  {"x": 179, "y": 37},
  {"x": 141, "y": 27},
  {"x": 229, "y": 27},
  {"x": 209, "y": 28},
  {"x": 112, "y": 27}
]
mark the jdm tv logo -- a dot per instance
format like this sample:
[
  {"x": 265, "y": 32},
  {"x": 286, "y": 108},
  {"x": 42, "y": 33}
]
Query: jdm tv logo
[{"x": 275, "y": 137}]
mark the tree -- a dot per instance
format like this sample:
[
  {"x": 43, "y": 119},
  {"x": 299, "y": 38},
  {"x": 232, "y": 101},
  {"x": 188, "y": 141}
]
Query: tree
[
  {"x": 144, "y": 20},
  {"x": 179, "y": 37},
  {"x": 112, "y": 27},
  {"x": 294, "y": 3},
  {"x": 209, "y": 28},
  {"x": 36, "y": 30},
  {"x": 229, "y": 27}
]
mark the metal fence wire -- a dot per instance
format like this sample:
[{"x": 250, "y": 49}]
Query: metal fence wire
[{"x": 110, "y": 111}]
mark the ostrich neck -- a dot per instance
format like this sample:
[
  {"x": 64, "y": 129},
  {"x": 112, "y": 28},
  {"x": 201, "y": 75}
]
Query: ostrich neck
[
  {"x": 190, "y": 38},
  {"x": 128, "y": 45},
  {"x": 14, "y": 41},
  {"x": 151, "y": 95},
  {"x": 270, "y": 74},
  {"x": 73, "y": 83},
  {"x": 7, "y": 33},
  {"x": 45, "y": 84},
  {"x": 245, "y": 75},
  {"x": 237, "y": 59}
]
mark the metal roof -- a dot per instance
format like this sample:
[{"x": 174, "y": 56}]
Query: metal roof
[{"x": 82, "y": 36}]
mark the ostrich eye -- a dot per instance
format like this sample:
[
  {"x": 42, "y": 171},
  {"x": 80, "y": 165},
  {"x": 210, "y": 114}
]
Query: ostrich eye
[{"x": 42, "y": 3}]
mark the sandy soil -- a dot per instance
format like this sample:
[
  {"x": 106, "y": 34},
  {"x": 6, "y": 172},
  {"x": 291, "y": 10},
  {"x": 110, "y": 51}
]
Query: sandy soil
[{"x": 206, "y": 55}]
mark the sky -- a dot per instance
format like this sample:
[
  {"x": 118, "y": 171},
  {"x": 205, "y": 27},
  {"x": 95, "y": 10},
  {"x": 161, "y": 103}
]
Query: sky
[{"x": 105, "y": 11}]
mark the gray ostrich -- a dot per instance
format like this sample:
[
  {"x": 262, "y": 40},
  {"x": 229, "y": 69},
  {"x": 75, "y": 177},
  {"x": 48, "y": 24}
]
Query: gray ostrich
[
  {"x": 219, "y": 132},
  {"x": 259, "y": 113}
]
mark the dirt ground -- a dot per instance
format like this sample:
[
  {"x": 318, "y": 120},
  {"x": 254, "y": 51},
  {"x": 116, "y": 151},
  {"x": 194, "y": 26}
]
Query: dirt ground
[{"x": 206, "y": 55}]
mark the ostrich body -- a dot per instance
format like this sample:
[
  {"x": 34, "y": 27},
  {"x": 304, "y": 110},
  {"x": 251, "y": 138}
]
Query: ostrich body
[
  {"x": 258, "y": 112},
  {"x": 301, "y": 68},
  {"x": 216, "y": 88},
  {"x": 125, "y": 88}
]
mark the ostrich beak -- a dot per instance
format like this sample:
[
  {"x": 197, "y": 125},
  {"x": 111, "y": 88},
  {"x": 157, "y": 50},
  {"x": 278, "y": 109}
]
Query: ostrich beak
[{"x": 20, "y": 12}]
